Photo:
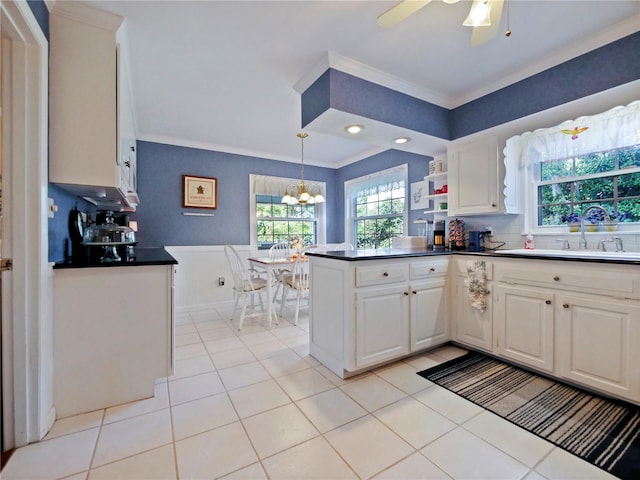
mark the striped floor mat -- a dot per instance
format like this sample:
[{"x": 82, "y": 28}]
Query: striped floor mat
[{"x": 601, "y": 431}]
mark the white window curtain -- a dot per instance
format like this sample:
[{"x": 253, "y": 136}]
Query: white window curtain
[
  {"x": 615, "y": 128},
  {"x": 380, "y": 181},
  {"x": 266, "y": 185}
]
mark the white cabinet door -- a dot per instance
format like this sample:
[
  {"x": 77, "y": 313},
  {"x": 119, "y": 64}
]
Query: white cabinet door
[
  {"x": 523, "y": 318},
  {"x": 382, "y": 326},
  {"x": 92, "y": 122},
  {"x": 473, "y": 327},
  {"x": 473, "y": 178},
  {"x": 429, "y": 322},
  {"x": 597, "y": 343}
]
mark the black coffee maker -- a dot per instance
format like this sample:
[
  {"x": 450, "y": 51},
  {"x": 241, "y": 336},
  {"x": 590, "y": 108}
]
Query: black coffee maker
[
  {"x": 476, "y": 241},
  {"x": 79, "y": 253}
]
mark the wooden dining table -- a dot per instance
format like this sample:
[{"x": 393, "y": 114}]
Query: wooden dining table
[{"x": 272, "y": 266}]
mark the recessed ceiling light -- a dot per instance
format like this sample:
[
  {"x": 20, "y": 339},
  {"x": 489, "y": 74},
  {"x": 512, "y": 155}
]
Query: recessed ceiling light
[
  {"x": 401, "y": 140},
  {"x": 353, "y": 128}
]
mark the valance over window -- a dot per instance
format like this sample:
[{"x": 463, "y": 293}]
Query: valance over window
[
  {"x": 266, "y": 185},
  {"x": 385, "y": 180},
  {"x": 615, "y": 128}
]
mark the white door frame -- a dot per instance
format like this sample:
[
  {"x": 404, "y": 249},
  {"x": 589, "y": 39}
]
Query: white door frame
[{"x": 27, "y": 361}]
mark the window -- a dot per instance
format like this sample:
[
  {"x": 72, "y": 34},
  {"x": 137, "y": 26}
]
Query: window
[
  {"x": 278, "y": 222},
  {"x": 580, "y": 163},
  {"x": 272, "y": 221},
  {"x": 376, "y": 208},
  {"x": 610, "y": 179}
]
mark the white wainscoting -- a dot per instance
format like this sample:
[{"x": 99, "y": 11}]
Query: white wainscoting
[{"x": 198, "y": 270}]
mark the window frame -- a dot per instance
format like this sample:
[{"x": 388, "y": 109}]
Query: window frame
[
  {"x": 253, "y": 220},
  {"x": 350, "y": 200},
  {"x": 532, "y": 203}
]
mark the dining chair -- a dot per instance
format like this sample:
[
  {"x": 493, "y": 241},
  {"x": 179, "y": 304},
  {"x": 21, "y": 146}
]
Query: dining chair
[
  {"x": 247, "y": 282},
  {"x": 279, "y": 250},
  {"x": 297, "y": 281}
]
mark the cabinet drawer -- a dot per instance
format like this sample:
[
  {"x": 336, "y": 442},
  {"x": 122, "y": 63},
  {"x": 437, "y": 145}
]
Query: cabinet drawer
[
  {"x": 586, "y": 278},
  {"x": 428, "y": 268},
  {"x": 381, "y": 275}
]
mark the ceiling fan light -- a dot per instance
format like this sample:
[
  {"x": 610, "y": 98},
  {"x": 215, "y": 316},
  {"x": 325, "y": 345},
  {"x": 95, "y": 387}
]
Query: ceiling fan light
[{"x": 479, "y": 15}]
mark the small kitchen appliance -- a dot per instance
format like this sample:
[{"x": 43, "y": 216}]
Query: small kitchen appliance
[
  {"x": 438, "y": 236},
  {"x": 113, "y": 239},
  {"x": 476, "y": 241}
]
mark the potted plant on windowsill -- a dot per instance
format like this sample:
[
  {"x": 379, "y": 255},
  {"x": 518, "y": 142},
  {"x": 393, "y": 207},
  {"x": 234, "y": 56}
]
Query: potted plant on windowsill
[
  {"x": 615, "y": 217},
  {"x": 593, "y": 219},
  {"x": 572, "y": 220}
]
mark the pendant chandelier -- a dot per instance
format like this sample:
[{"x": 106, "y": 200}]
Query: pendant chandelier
[{"x": 302, "y": 193}]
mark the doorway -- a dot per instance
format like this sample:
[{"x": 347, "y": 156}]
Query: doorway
[{"x": 25, "y": 332}]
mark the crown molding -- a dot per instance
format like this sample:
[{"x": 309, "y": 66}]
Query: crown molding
[
  {"x": 81, "y": 12},
  {"x": 370, "y": 74}
]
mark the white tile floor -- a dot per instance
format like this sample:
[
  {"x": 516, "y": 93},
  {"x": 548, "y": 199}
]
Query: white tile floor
[{"x": 254, "y": 405}]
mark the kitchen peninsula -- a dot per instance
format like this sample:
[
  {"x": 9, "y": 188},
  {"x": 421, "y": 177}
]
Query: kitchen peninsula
[
  {"x": 113, "y": 329},
  {"x": 577, "y": 319}
]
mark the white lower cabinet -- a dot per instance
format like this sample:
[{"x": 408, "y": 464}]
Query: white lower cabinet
[
  {"x": 576, "y": 321},
  {"x": 382, "y": 329},
  {"x": 473, "y": 327},
  {"x": 428, "y": 314},
  {"x": 365, "y": 313},
  {"x": 113, "y": 335},
  {"x": 598, "y": 343},
  {"x": 524, "y": 322}
]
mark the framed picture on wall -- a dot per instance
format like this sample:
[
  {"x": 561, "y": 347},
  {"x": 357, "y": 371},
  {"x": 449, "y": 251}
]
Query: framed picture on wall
[
  {"x": 419, "y": 195},
  {"x": 199, "y": 192}
]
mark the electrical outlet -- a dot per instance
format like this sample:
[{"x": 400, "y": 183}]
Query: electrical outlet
[
  {"x": 221, "y": 281},
  {"x": 489, "y": 230}
]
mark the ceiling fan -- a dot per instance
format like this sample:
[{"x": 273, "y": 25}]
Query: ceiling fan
[{"x": 484, "y": 17}]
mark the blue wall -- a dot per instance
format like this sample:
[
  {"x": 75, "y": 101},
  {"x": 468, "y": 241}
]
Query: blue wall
[
  {"x": 160, "y": 214},
  {"x": 160, "y": 170}
]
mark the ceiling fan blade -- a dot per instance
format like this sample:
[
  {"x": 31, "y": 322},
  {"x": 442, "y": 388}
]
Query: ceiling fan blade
[
  {"x": 481, "y": 35},
  {"x": 399, "y": 12}
]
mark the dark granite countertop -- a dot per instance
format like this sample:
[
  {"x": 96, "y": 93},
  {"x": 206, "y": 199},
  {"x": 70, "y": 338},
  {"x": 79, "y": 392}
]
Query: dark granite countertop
[
  {"x": 143, "y": 256},
  {"x": 388, "y": 253}
]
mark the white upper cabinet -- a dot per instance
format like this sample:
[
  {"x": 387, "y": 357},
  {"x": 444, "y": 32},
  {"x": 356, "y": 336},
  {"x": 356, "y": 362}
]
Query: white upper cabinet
[
  {"x": 477, "y": 178},
  {"x": 92, "y": 128}
]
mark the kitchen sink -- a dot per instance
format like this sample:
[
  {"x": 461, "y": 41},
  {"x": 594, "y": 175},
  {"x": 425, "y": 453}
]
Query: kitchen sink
[{"x": 595, "y": 254}]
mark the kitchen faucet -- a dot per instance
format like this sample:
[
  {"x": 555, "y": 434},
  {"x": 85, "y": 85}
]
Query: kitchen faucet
[{"x": 583, "y": 240}]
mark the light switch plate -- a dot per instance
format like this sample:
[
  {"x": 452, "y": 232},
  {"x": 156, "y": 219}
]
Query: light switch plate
[{"x": 52, "y": 208}]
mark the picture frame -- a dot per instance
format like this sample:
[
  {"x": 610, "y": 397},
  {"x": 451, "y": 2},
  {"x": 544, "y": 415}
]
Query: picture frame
[
  {"x": 420, "y": 195},
  {"x": 199, "y": 192}
]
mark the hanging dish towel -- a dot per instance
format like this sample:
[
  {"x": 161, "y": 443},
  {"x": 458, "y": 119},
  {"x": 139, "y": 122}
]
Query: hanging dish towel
[{"x": 476, "y": 283}]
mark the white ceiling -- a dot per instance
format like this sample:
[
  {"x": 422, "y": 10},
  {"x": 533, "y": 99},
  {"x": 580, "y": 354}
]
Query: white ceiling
[{"x": 227, "y": 75}]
